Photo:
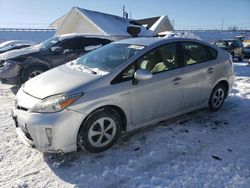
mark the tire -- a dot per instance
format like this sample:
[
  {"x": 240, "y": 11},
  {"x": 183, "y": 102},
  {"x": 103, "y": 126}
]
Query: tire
[
  {"x": 232, "y": 54},
  {"x": 241, "y": 57},
  {"x": 99, "y": 131},
  {"x": 31, "y": 73},
  {"x": 217, "y": 97}
]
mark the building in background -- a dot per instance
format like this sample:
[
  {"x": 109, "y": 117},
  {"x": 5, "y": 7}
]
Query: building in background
[
  {"x": 96, "y": 23},
  {"x": 157, "y": 24}
]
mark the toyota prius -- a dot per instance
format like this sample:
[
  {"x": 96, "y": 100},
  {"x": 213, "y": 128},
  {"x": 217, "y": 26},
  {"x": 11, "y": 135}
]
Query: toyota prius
[{"x": 87, "y": 103}]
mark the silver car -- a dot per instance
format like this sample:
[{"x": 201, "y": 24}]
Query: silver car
[{"x": 126, "y": 85}]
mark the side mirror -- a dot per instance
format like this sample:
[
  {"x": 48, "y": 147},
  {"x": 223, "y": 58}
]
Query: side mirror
[
  {"x": 57, "y": 50},
  {"x": 142, "y": 74}
]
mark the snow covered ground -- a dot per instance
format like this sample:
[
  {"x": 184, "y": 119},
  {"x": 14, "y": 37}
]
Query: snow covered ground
[{"x": 200, "y": 149}]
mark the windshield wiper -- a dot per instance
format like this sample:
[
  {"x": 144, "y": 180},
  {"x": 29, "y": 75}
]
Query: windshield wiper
[{"x": 92, "y": 71}]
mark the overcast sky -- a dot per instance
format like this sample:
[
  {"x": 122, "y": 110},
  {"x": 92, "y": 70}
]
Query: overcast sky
[{"x": 187, "y": 14}]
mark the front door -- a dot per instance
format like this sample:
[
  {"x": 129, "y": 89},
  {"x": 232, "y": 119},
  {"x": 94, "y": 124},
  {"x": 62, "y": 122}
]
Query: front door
[{"x": 162, "y": 94}]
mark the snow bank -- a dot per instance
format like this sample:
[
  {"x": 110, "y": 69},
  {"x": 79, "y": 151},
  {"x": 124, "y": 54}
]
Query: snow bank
[{"x": 199, "y": 149}]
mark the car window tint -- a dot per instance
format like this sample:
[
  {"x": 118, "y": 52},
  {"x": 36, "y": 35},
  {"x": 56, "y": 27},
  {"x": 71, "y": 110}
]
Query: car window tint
[
  {"x": 160, "y": 59},
  {"x": 211, "y": 53},
  {"x": 193, "y": 53},
  {"x": 71, "y": 44},
  {"x": 93, "y": 43}
]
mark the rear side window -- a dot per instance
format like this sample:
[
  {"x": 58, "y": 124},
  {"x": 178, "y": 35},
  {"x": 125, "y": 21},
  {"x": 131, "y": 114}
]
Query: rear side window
[
  {"x": 211, "y": 53},
  {"x": 89, "y": 44},
  {"x": 71, "y": 44},
  {"x": 197, "y": 53},
  {"x": 83, "y": 43},
  {"x": 193, "y": 53}
]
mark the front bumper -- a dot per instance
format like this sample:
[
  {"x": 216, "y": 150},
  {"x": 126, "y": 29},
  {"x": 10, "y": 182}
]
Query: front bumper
[{"x": 32, "y": 128}]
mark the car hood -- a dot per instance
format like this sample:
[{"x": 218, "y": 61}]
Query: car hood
[
  {"x": 15, "y": 53},
  {"x": 59, "y": 80}
]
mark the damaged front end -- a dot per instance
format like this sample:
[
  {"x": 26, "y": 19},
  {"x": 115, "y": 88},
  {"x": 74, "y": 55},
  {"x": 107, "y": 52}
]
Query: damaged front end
[{"x": 9, "y": 71}]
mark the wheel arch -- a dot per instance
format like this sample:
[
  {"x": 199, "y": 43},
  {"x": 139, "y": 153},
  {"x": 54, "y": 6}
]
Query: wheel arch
[
  {"x": 26, "y": 67},
  {"x": 35, "y": 64},
  {"x": 222, "y": 82},
  {"x": 117, "y": 109}
]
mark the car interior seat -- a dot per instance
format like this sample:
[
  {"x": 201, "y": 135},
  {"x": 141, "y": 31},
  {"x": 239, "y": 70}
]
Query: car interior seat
[{"x": 167, "y": 60}]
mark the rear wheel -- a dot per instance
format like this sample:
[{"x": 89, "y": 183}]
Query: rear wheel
[
  {"x": 232, "y": 54},
  {"x": 241, "y": 57},
  {"x": 31, "y": 73},
  {"x": 217, "y": 97},
  {"x": 100, "y": 130}
]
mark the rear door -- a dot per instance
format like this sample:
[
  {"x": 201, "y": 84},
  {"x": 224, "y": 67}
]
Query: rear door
[{"x": 199, "y": 73}]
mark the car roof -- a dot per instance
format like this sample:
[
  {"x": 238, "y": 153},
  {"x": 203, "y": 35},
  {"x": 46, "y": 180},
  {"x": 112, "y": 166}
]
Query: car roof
[
  {"x": 87, "y": 35},
  {"x": 147, "y": 41}
]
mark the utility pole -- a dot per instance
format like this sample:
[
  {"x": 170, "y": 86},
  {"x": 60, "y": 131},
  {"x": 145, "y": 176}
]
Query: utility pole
[
  {"x": 173, "y": 23},
  {"x": 222, "y": 23},
  {"x": 124, "y": 13}
]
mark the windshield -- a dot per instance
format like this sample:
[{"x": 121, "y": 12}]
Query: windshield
[
  {"x": 108, "y": 57},
  {"x": 47, "y": 43},
  {"x": 224, "y": 44}
]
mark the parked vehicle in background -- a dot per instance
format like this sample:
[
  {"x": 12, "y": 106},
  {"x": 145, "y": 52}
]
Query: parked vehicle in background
[
  {"x": 17, "y": 66},
  {"x": 247, "y": 51},
  {"x": 122, "y": 86},
  {"x": 14, "y": 44},
  {"x": 233, "y": 46}
]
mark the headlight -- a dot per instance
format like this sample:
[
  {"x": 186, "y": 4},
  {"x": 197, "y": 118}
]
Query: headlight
[
  {"x": 5, "y": 64},
  {"x": 55, "y": 103}
]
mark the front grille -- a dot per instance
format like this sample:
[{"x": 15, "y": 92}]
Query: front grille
[{"x": 24, "y": 130}]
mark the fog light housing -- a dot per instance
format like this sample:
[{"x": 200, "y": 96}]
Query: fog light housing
[{"x": 49, "y": 135}]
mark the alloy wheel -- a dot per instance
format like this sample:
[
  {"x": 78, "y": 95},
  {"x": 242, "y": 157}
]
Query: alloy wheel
[
  {"x": 218, "y": 97},
  {"x": 34, "y": 74},
  {"x": 102, "y": 132}
]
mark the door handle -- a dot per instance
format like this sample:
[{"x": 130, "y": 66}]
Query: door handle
[
  {"x": 177, "y": 79},
  {"x": 210, "y": 69}
]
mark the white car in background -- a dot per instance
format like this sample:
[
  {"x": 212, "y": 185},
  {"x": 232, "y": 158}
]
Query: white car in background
[{"x": 15, "y": 44}]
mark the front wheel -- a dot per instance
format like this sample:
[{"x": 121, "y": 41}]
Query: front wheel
[
  {"x": 100, "y": 130},
  {"x": 217, "y": 97}
]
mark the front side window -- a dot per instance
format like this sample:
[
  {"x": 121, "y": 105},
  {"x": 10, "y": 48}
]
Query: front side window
[
  {"x": 194, "y": 53},
  {"x": 161, "y": 59},
  {"x": 71, "y": 44}
]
